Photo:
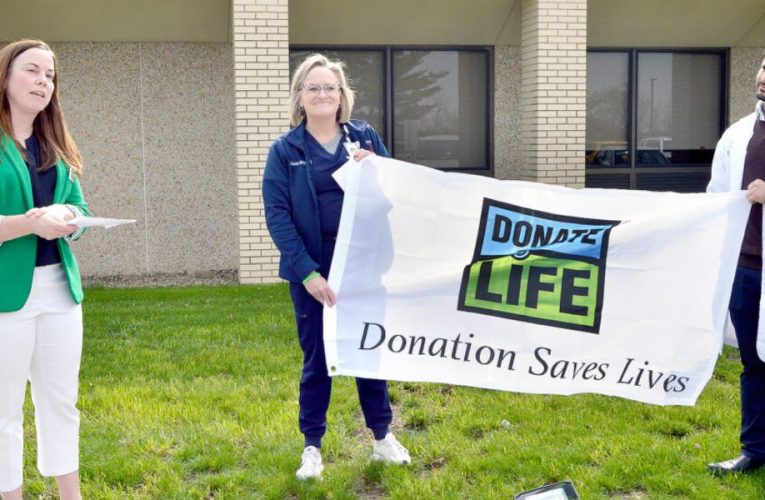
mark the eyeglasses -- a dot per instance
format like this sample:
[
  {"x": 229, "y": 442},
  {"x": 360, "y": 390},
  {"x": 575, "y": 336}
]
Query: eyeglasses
[{"x": 315, "y": 89}]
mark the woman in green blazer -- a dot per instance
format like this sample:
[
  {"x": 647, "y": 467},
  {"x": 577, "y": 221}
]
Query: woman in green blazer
[{"x": 40, "y": 289}]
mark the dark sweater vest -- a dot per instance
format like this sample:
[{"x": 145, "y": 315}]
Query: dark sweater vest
[{"x": 754, "y": 168}]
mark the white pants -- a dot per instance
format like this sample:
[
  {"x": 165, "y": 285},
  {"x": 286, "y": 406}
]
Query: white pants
[{"x": 41, "y": 343}]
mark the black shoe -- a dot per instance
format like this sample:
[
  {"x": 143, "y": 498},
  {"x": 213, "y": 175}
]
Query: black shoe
[{"x": 734, "y": 466}]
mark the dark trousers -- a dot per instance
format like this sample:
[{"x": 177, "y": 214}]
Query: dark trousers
[
  {"x": 316, "y": 385},
  {"x": 744, "y": 312}
]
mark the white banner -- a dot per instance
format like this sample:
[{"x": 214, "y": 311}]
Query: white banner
[{"x": 528, "y": 287}]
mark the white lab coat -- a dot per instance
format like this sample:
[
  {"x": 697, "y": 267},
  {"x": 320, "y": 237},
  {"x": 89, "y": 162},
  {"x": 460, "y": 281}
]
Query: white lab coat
[
  {"x": 728, "y": 162},
  {"x": 727, "y": 175}
]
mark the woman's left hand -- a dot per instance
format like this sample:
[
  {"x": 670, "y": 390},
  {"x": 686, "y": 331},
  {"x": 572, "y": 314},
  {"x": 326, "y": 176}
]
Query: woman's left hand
[
  {"x": 321, "y": 291},
  {"x": 57, "y": 210},
  {"x": 360, "y": 154}
]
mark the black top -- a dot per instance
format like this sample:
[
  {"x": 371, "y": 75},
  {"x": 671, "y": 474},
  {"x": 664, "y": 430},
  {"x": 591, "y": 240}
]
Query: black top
[
  {"x": 43, "y": 187},
  {"x": 754, "y": 168}
]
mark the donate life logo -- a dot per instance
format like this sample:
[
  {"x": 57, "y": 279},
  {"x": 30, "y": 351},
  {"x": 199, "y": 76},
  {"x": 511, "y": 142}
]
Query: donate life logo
[{"x": 537, "y": 267}]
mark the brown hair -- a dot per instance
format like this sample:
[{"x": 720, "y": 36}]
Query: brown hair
[
  {"x": 346, "y": 93},
  {"x": 49, "y": 125}
]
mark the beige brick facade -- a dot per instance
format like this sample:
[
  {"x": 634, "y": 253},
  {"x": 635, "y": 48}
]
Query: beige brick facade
[
  {"x": 553, "y": 90},
  {"x": 261, "y": 82}
]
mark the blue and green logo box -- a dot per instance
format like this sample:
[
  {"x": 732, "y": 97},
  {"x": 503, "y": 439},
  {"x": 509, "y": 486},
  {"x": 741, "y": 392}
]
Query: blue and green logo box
[{"x": 537, "y": 267}]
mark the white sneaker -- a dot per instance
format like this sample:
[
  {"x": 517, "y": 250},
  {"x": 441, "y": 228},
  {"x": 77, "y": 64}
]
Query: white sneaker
[
  {"x": 310, "y": 464},
  {"x": 390, "y": 450}
]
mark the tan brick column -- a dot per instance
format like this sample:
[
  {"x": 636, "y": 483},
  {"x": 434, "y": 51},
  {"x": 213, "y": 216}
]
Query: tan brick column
[
  {"x": 553, "y": 93},
  {"x": 261, "y": 82}
]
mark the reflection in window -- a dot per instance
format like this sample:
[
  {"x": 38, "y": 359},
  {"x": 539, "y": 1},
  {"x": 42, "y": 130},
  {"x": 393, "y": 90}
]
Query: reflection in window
[
  {"x": 655, "y": 114},
  {"x": 678, "y": 107},
  {"x": 607, "y": 83},
  {"x": 439, "y": 108},
  {"x": 610, "y": 157},
  {"x": 364, "y": 70}
]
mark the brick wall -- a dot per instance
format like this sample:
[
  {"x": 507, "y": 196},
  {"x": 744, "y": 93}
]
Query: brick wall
[
  {"x": 553, "y": 90},
  {"x": 261, "y": 83}
]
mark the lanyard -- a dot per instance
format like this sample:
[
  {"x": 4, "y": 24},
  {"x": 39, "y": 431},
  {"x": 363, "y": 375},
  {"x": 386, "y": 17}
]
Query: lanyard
[{"x": 350, "y": 147}]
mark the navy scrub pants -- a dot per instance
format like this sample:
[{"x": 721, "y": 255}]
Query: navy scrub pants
[
  {"x": 315, "y": 383},
  {"x": 744, "y": 312}
]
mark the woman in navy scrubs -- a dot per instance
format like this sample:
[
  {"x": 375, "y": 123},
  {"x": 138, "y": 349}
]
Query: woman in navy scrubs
[{"x": 303, "y": 204}]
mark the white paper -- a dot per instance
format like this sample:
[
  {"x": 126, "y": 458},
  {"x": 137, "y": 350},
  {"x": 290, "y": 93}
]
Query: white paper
[{"x": 84, "y": 221}]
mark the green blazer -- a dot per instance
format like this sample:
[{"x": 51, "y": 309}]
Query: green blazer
[{"x": 17, "y": 257}]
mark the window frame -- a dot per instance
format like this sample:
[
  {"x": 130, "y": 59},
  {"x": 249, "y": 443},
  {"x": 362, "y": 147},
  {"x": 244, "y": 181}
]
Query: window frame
[
  {"x": 632, "y": 75},
  {"x": 388, "y": 83}
]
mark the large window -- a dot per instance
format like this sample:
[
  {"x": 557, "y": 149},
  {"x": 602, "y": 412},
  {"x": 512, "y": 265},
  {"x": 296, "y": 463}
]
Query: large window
[
  {"x": 653, "y": 118},
  {"x": 431, "y": 106}
]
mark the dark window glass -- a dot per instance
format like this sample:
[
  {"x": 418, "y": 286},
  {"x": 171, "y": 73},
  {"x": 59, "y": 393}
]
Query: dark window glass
[
  {"x": 682, "y": 182},
  {"x": 364, "y": 70},
  {"x": 654, "y": 117},
  {"x": 607, "y": 84},
  {"x": 610, "y": 181},
  {"x": 679, "y": 101},
  {"x": 430, "y": 106},
  {"x": 439, "y": 108}
]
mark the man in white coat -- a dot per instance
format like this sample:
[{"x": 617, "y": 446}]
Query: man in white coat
[{"x": 739, "y": 163}]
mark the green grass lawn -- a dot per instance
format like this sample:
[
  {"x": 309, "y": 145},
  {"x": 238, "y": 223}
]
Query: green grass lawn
[{"x": 192, "y": 393}]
